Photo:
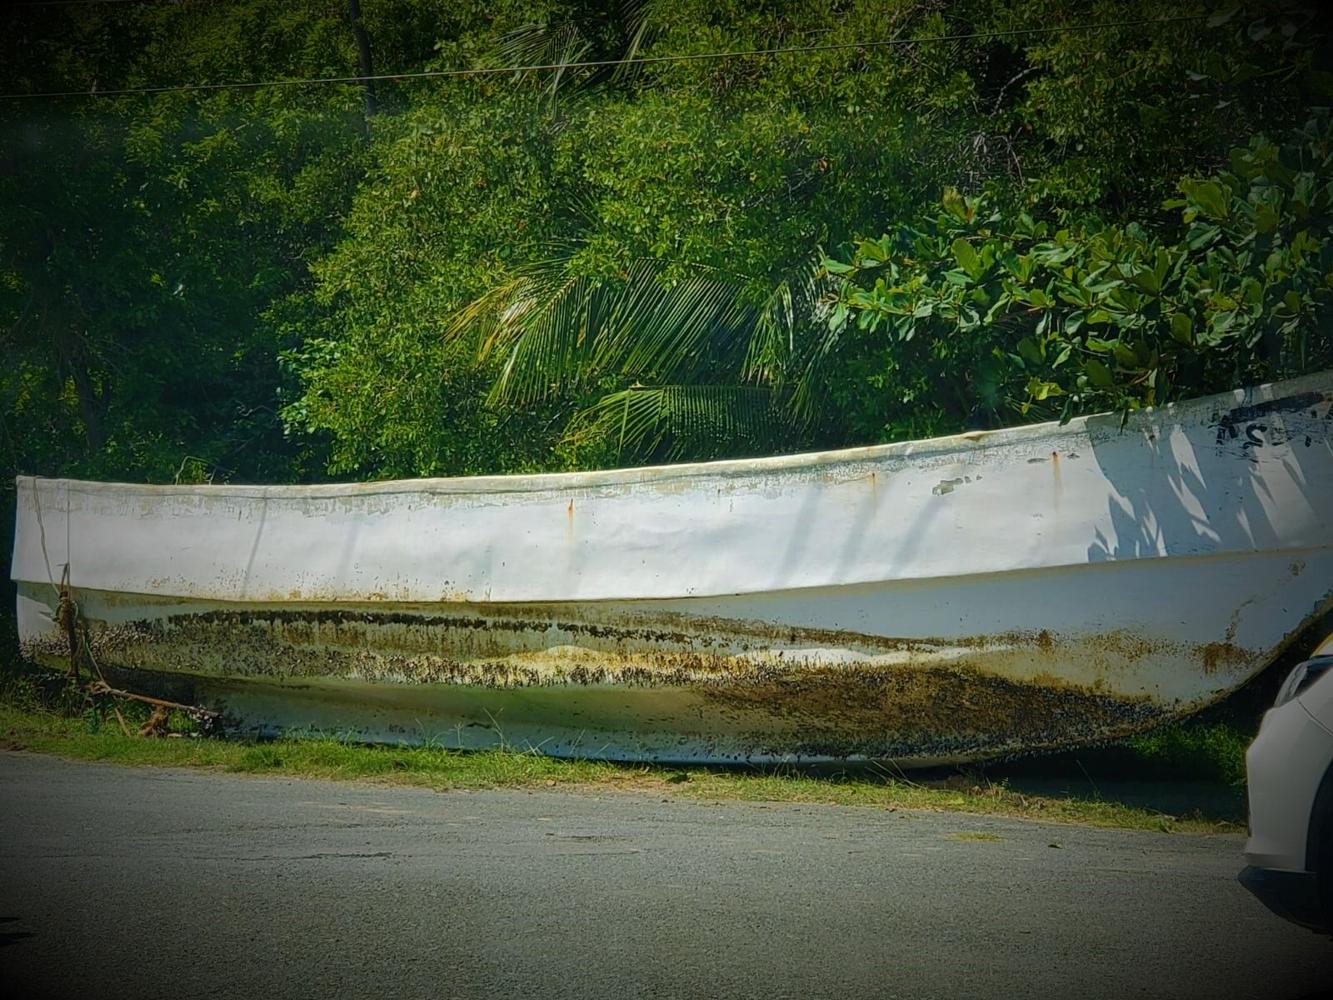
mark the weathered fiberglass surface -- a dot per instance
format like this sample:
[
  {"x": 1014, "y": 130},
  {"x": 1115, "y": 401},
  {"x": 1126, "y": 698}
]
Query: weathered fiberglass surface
[{"x": 939, "y": 600}]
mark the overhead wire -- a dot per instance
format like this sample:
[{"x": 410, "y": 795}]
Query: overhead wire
[
  {"x": 592, "y": 63},
  {"x": 78, "y": 3}
]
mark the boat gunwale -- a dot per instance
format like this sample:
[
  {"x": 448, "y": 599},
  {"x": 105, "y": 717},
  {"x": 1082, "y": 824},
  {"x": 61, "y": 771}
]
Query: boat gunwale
[{"x": 923, "y": 448}]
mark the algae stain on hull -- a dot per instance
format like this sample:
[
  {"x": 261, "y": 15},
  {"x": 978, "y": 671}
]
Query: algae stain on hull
[{"x": 666, "y": 687}]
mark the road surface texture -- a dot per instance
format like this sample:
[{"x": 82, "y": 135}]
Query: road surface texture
[{"x": 152, "y": 883}]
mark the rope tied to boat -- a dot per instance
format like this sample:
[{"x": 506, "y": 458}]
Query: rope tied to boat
[{"x": 68, "y": 621}]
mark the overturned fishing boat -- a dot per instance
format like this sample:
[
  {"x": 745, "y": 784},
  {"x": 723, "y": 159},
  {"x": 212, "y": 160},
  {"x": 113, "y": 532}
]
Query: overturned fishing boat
[{"x": 937, "y": 601}]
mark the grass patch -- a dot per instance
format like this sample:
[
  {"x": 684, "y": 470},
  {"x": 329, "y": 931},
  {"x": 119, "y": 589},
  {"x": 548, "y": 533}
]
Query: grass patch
[
  {"x": 41, "y": 715},
  {"x": 1199, "y": 752},
  {"x": 1202, "y": 750}
]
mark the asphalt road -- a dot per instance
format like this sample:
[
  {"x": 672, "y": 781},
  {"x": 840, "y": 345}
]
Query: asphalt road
[{"x": 147, "y": 883}]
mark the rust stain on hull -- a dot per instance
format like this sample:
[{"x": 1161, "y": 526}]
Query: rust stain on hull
[{"x": 1221, "y": 654}]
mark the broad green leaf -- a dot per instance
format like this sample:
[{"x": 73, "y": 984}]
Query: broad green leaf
[
  {"x": 967, "y": 258},
  {"x": 1029, "y": 350},
  {"x": 1210, "y": 196},
  {"x": 1098, "y": 374},
  {"x": 1038, "y": 389}
]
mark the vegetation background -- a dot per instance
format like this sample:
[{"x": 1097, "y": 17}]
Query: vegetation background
[{"x": 915, "y": 217}]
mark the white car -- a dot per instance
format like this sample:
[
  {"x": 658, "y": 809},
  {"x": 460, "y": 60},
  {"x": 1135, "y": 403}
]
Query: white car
[{"x": 1289, "y": 856}]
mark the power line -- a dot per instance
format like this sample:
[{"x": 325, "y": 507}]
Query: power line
[
  {"x": 597, "y": 63},
  {"x": 76, "y": 3}
]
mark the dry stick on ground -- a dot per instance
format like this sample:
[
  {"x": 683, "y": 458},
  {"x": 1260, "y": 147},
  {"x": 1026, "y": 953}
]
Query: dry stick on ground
[
  {"x": 157, "y": 721},
  {"x": 124, "y": 727},
  {"x": 102, "y": 687}
]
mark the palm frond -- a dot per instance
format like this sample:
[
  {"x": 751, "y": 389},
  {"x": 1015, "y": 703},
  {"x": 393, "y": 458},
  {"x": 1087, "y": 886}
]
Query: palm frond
[
  {"x": 671, "y": 422},
  {"x": 698, "y": 349},
  {"x": 551, "y": 326},
  {"x": 638, "y": 18},
  {"x": 783, "y": 320},
  {"x": 557, "y": 43},
  {"x": 566, "y": 42},
  {"x": 793, "y": 338},
  {"x": 669, "y": 326},
  {"x": 537, "y": 323},
  {"x": 820, "y": 337}
]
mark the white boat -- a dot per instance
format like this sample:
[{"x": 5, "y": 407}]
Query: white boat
[{"x": 937, "y": 601}]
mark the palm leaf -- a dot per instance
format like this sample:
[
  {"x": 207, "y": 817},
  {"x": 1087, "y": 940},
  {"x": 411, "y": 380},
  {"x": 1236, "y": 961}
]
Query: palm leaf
[
  {"x": 568, "y": 41},
  {"x": 671, "y": 422},
  {"x": 671, "y": 326},
  {"x": 690, "y": 339},
  {"x": 538, "y": 323},
  {"x": 552, "y": 327}
]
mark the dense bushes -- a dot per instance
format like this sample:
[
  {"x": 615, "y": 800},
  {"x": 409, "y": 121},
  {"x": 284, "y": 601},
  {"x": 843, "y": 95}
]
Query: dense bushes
[{"x": 263, "y": 283}]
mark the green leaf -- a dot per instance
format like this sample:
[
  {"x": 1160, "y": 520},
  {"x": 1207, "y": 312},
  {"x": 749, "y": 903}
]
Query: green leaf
[
  {"x": 1220, "y": 325},
  {"x": 1160, "y": 384},
  {"x": 838, "y": 317},
  {"x": 1098, "y": 374},
  {"x": 967, "y": 258},
  {"x": 1210, "y": 196},
  {"x": 1182, "y": 329},
  {"x": 956, "y": 205},
  {"x": 1146, "y": 279},
  {"x": 1201, "y": 235},
  {"x": 1124, "y": 354},
  {"x": 1039, "y": 390}
]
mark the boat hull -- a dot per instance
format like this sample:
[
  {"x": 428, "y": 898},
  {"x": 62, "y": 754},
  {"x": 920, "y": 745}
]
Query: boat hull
[{"x": 937, "y": 602}]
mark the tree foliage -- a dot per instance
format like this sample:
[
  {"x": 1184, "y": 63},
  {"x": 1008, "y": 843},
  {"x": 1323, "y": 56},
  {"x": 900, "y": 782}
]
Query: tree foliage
[
  {"x": 1025, "y": 318},
  {"x": 544, "y": 270}
]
